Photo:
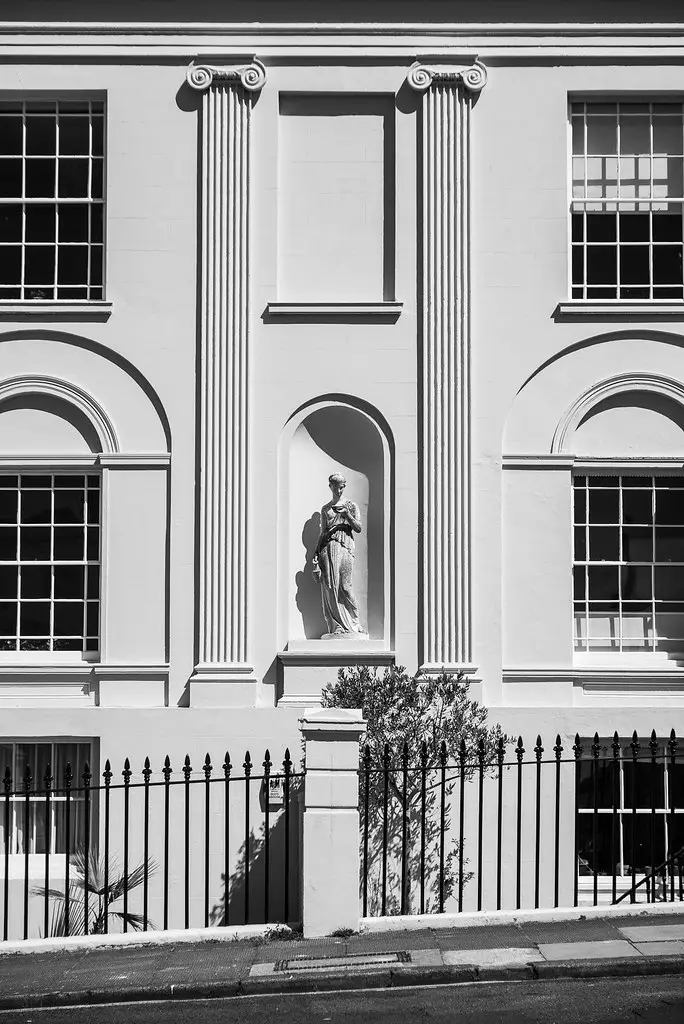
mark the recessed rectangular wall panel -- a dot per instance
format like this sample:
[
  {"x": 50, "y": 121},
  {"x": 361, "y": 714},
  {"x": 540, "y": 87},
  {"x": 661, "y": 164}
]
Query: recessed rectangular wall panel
[{"x": 336, "y": 198}]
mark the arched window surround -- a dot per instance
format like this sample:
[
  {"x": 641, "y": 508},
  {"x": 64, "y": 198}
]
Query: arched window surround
[
  {"x": 620, "y": 384},
  {"x": 70, "y": 393}
]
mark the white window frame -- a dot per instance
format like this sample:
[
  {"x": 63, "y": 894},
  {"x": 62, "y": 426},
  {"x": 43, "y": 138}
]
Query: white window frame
[
  {"x": 585, "y": 882},
  {"x": 18, "y": 656},
  {"x": 632, "y": 654},
  {"x": 17, "y": 802},
  {"x": 639, "y": 203},
  {"x": 96, "y": 108}
]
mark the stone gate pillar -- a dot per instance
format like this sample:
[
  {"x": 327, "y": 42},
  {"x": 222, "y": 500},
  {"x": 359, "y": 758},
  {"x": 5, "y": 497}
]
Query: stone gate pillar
[
  {"x": 445, "y": 637},
  {"x": 223, "y": 674},
  {"x": 330, "y": 837}
]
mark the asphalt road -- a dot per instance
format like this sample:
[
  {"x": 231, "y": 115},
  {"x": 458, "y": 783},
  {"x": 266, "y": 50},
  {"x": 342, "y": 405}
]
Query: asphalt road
[{"x": 606, "y": 1001}]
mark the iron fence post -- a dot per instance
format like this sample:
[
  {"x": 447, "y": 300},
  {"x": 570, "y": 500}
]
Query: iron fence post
[
  {"x": 577, "y": 751},
  {"x": 538, "y": 751},
  {"x": 127, "y": 784},
  {"x": 635, "y": 754},
  {"x": 166, "y": 773},
  {"x": 558, "y": 751},
  {"x": 519, "y": 752},
  {"x": 107, "y": 776},
  {"x": 617, "y": 750},
  {"x": 147, "y": 772},
  {"x": 7, "y": 784},
  {"x": 672, "y": 747}
]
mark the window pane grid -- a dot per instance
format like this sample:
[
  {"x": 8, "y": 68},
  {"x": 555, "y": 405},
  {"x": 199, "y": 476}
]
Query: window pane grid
[
  {"x": 51, "y": 175},
  {"x": 627, "y": 200},
  {"x": 628, "y": 557},
  {"x": 667, "y": 794},
  {"x": 37, "y": 756},
  {"x": 49, "y": 563}
]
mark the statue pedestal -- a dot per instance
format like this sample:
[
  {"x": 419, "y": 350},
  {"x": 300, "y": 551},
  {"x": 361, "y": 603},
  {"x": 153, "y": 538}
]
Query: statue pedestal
[{"x": 309, "y": 665}]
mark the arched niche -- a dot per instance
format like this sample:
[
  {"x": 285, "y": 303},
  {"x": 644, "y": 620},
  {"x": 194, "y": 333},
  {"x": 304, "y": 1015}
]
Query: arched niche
[
  {"x": 635, "y": 416},
  {"x": 324, "y": 438}
]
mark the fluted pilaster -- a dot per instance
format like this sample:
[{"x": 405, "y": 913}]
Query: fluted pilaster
[
  {"x": 446, "y": 468},
  {"x": 224, "y": 357}
]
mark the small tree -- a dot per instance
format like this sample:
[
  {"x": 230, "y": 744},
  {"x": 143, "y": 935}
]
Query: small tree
[{"x": 409, "y": 719}]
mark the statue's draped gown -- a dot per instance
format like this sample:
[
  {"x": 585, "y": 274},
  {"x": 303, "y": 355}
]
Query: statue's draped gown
[{"x": 336, "y": 562}]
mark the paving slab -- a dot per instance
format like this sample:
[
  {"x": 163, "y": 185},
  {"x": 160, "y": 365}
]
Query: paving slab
[
  {"x": 660, "y": 948},
  {"x": 514, "y": 955},
  {"x": 426, "y": 957},
  {"x": 653, "y": 932},
  {"x": 595, "y": 930},
  {"x": 587, "y": 950},
  {"x": 480, "y": 938},
  {"x": 421, "y": 939}
]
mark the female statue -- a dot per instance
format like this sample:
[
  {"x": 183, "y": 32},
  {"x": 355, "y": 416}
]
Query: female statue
[{"x": 333, "y": 562}]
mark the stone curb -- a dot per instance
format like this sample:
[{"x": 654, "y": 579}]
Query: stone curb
[{"x": 395, "y": 977}]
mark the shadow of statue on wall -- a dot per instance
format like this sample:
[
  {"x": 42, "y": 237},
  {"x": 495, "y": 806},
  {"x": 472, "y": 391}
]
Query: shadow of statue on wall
[{"x": 308, "y": 593}]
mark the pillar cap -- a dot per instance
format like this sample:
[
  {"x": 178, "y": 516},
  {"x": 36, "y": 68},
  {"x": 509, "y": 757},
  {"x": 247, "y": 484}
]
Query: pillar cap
[{"x": 334, "y": 720}]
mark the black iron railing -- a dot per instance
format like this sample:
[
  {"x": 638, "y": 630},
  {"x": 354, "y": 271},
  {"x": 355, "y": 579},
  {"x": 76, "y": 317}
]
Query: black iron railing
[
  {"x": 594, "y": 823},
  {"x": 672, "y": 868},
  {"x": 165, "y": 849}
]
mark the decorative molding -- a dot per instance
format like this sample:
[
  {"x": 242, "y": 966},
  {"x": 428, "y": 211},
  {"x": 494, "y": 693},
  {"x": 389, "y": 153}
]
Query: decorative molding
[
  {"x": 123, "y": 460},
  {"x": 224, "y": 387},
  {"x": 66, "y": 392},
  {"x": 115, "y": 460},
  {"x": 619, "y": 309},
  {"x": 46, "y": 669},
  {"x": 446, "y": 446},
  {"x": 531, "y": 461},
  {"x": 453, "y": 669},
  {"x": 601, "y": 679},
  {"x": 251, "y": 77},
  {"x": 48, "y": 461},
  {"x": 446, "y": 30},
  {"x": 422, "y": 76},
  {"x": 309, "y": 42},
  {"x": 323, "y": 652},
  {"x": 609, "y": 463},
  {"x": 54, "y": 311},
  {"x": 339, "y": 310},
  {"x": 624, "y": 382}
]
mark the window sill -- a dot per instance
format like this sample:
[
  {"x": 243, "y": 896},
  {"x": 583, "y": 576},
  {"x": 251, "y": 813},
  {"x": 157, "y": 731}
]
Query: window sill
[
  {"x": 640, "y": 662},
  {"x": 42, "y": 658},
  {"x": 334, "y": 310},
  {"x": 618, "y": 309},
  {"x": 52, "y": 310},
  {"x": 77, "y": 669}
]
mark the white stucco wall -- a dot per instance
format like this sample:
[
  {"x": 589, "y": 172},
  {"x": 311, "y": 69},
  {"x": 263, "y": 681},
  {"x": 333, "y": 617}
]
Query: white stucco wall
[{"x": 528, "y": 365}]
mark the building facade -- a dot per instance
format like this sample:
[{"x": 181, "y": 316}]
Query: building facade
[{"x": 436, "y": 249}]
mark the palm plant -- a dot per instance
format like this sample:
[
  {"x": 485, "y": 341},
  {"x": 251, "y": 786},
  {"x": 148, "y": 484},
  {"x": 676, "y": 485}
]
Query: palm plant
[{"x": 101, "y": 897}]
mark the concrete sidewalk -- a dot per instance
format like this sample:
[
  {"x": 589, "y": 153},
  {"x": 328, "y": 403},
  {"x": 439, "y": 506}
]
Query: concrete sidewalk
[{"x": 589, "y": 947}]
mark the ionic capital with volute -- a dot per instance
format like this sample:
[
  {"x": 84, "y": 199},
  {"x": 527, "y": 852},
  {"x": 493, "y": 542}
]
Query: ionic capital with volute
[
  {"x": 252, "y": 76},
  {"x": 473, "y": 78}
]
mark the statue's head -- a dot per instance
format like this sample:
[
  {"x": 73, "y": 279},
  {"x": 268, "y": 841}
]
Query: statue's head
[{"x": 337, "y": 484}]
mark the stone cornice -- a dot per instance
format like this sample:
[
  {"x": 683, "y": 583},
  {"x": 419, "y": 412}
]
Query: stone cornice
[
  {"x": 252, "y": 76},
  {"x": 422, "y": 76}
]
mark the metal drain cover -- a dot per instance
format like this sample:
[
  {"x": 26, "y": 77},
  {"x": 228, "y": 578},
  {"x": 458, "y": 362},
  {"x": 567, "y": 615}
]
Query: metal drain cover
[{"x": 318, "y": 963}]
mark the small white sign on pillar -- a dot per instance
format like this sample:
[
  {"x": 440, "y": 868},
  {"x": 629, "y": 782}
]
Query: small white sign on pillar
[{"x": 330, "y": 847}]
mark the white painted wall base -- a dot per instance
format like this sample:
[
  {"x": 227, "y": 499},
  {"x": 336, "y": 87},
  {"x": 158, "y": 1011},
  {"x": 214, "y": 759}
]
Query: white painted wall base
[{"x": 479, "y": 918}]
